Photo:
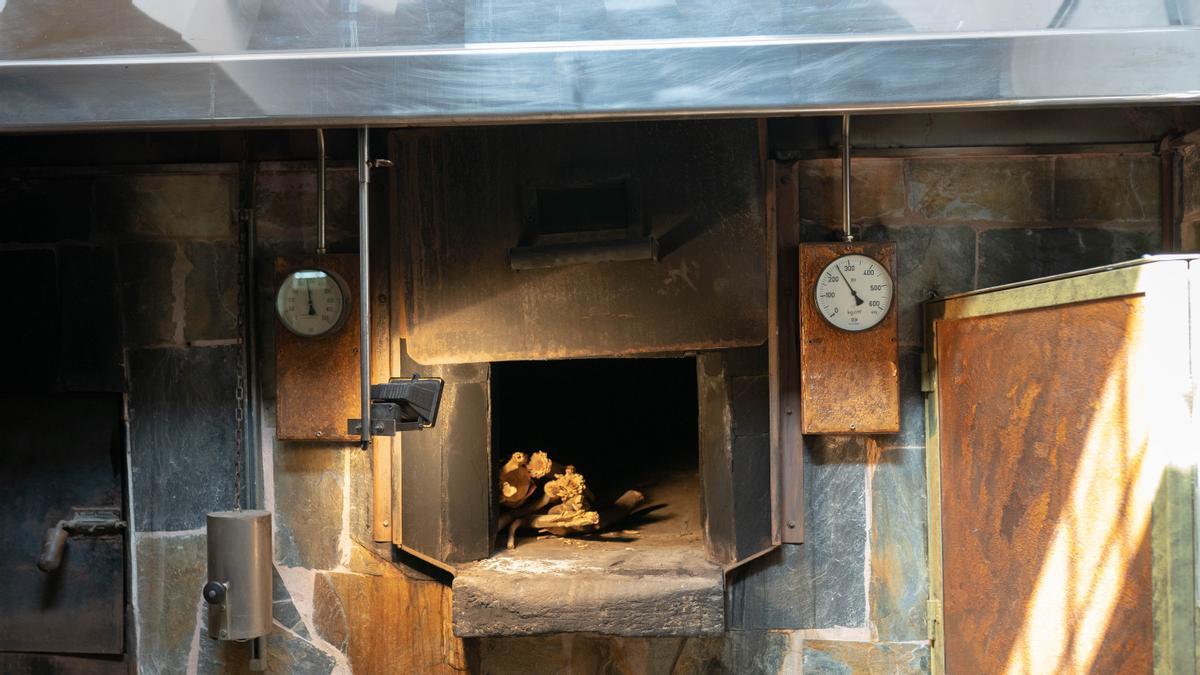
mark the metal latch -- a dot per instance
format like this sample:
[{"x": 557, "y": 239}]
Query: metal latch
[{"x": 91, "y": 521}]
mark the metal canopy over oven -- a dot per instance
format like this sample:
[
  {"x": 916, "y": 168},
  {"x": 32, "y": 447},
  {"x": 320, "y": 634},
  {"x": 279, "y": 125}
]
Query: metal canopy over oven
[{"x": 197, "y": 63}]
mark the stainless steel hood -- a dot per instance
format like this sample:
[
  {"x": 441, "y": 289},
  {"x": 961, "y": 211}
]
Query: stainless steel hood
[{"x": 68, "y": 64}]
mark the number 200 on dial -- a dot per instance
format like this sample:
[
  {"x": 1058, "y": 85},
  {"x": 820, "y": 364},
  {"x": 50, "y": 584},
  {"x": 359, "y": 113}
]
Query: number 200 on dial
[{"x": 854, "y": 292}]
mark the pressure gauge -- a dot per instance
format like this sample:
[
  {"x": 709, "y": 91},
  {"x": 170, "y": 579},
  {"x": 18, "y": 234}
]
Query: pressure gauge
[
  {"x": 312, "y": 302},
  {"x": 854, "y": 292}
]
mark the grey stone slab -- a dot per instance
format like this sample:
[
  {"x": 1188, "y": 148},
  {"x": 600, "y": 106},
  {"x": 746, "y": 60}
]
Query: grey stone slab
[
  {"x": 830, "y": 657},
  {"x": 774, "y": 591},
  {"x": 170, "y": 572},
  {"x": 877, "y": 189},
  {"x": 210, "y": 291},
  {"x": 987, "y": 189},
  {"x": 1010, "y": 255},
  {"x": 172, "y": 205},
  {"x": 931, "y": 260},
  {"x": 181, "y": 406},
  {"x": 285, "y": 210},
  {"x": 820, "y": 583},
  {"x": 45, "y": 210},
  {"x": 662, "y": 591},
  {"x": 1106, "y": 188},
  {"x": 286, "y": 653},
  {"x": 283, "y": 609},
  {"x": 91, "y": 349},
  {"x": 309, "y": 498},
  {"x": 148, "y": 292},
  {"x": 835, "y": 522},
  {"x": 899, "y": 559}
]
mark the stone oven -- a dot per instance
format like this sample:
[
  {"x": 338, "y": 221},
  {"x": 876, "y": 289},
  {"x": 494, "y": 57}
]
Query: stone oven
[{"x": 597, "y": 293}]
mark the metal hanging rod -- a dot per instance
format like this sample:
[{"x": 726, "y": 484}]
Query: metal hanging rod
[
  {"x": 320, "y": 191},
  {"x": 364, "y": 282},
  {"x": 846, "y": 235}
]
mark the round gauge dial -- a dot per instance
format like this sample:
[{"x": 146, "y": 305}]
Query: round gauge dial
[
  {"x": 854, "y": 292},
  {"x": 312, "y": 302}
]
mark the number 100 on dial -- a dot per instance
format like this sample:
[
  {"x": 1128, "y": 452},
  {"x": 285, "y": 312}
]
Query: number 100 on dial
[{"x": 854, "y": 292}]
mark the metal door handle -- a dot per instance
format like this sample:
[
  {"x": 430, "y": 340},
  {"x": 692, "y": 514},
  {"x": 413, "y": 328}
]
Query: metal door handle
[{"x": 96, "y": 521}]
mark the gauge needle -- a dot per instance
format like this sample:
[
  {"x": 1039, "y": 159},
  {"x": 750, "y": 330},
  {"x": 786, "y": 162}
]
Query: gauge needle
[
  {"x": 312, "y": 310},
  {"x": 857, "y": 300}
]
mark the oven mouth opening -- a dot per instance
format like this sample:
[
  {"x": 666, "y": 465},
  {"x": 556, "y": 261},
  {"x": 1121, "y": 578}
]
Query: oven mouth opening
[{"x": 623, "y": 424}]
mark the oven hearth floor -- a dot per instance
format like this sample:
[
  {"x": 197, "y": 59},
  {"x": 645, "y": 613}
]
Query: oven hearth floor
[{"x": 649, "y": 580}]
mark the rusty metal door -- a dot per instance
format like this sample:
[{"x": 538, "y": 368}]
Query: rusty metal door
[
  {"x": 1061, "y": 526},
  {"x": 61, "y": 451}
]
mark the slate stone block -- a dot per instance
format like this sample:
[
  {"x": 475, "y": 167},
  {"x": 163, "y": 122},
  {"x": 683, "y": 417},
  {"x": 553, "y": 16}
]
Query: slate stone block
[
  {"x": 1106, "y": 188},
  {"x": 1010, "y": 255},
  {"x": 283, "y": 609},
  {"x": 148, "y": 292},
  {"x": 45, "y": 210},
  {"x": 820, "y": 583},
  {"x": 34, "y": 335},
  {"x": 286, "y": 654},
  {"x": 931, "y": 261},
  {"x": 899, "y": 559},
  {"x": 876, "y": 190},
  {"x": 828, "y": 657},
  {"x": 210, "y": 310},
  {"x": 309, "y": 484},
  {"x": 181, "y": 435},
  {"x": 92, "y": 356},
  {"x": 963, "y": 189},
  {"x": 285, "y": 210},
  {"x": 176, "y": 205},
  {"x": 170, "y": 572}
]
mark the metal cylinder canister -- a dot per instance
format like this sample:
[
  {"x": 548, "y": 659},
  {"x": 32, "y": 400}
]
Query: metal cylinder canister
[{"x": 238, "y": 591}]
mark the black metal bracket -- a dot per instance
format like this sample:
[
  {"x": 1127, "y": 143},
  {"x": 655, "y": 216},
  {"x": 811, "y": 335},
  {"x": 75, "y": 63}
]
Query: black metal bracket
[{"x": 402, "y": 405}]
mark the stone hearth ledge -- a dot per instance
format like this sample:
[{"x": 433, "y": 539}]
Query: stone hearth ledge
[{"x": 660, "y": 592}]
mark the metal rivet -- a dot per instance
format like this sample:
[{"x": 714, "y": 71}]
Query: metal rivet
[
  {"x": 387, "y": 523},
  {"x": 318, "y": 434},
  {"x": 791, "y": 523}
]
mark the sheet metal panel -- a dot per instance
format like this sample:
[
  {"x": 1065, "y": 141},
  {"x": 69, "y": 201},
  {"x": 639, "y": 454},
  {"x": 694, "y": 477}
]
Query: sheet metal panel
[{"x": 478, "y": 68}]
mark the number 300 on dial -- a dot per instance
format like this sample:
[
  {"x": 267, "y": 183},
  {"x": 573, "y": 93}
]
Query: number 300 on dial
[{"x": 854, "y": 292}]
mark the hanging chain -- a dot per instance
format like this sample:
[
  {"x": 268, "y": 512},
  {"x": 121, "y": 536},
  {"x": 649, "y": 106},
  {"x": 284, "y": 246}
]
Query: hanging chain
[{"x": 239, "y": 389}]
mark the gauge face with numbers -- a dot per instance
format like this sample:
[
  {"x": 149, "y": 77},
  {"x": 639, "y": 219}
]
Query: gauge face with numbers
[
  {"x": 854, "y": 292},
  {"x": 311, "y": 302}
]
